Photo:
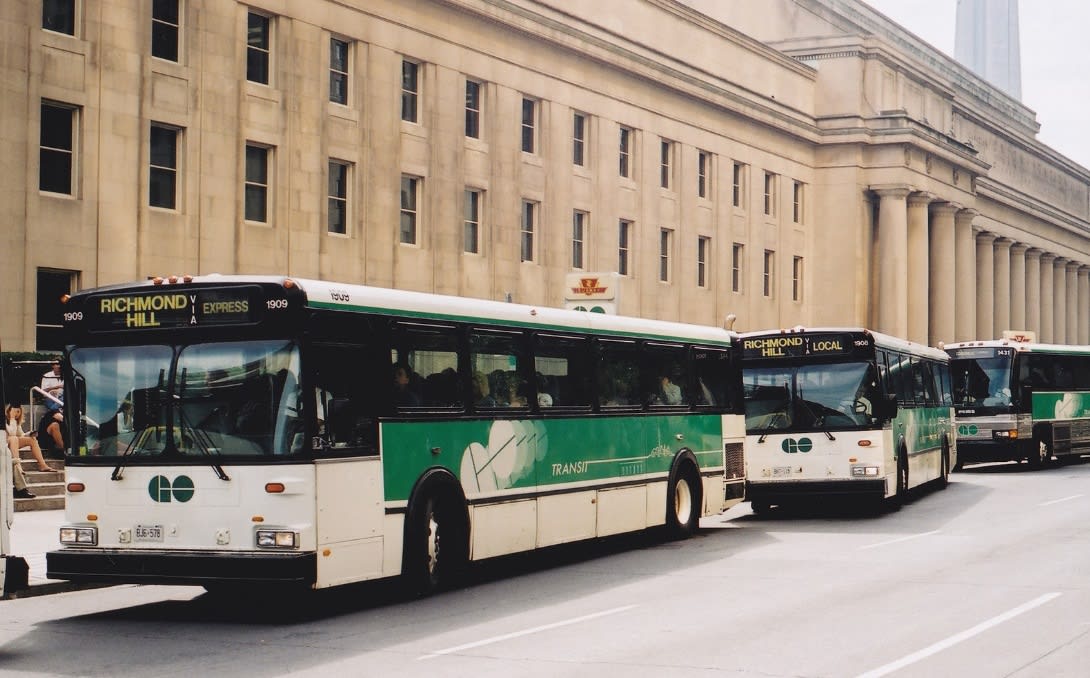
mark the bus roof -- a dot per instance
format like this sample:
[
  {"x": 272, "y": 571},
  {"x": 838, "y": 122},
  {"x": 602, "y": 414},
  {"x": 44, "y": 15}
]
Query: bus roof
[
  {"x": 1022, "y": 346},
  {"x": 880, "y": 340},
  {"x": 439, "y": 307}
]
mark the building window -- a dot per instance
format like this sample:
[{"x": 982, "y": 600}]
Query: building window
[
  {"x": 703, "y": 248},
  {"x": 737, "y": 188},
  {"x": 410, "y": 90},
  {"x": 337, "y": 220},
  {"x": 473, "y": 109},
  {"x": 626, "y": 153},
  {"x": 49, "y": 325},
  {"x": 579, "y": 139},
  {"x": 473, "y": 221},
  {"x": 163, "y": 167},
  {"x": 703, "y": 173},
  {"x": 796, "y": 279},
  {"x": 666, "y": 155},
  {"x": 410, "y": 195},
  {"x": 56, "y": 157},
  {"x": 736, "y": 262},
  {"x": 796, "y": 199},
  {"x": 770, "y": 194},
  {"x": 529, "y": 215},
  {"x": 624, "y": 235},
  {"x": 767, "y": 277},
  {"x": 257, "y": 183},
  {"x": 338, "y": 71},
  {"x": 258, "y": 28},
  {"x": 529, "y": 126},
  {"x": 665, "y": 241},
  {"x": 59, "y": 16},
  {"x": 164, "y": 29},
  {"x": 578, "y": 237}
]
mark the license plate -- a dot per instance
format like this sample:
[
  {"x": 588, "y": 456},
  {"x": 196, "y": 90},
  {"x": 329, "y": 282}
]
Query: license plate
[
  {"x": 148, "y": 533},
  {"x": 781, "y": 471}
]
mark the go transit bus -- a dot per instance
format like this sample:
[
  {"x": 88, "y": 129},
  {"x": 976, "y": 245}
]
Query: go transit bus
[
  {"x": 1019, "y": 399},
  {"x": 229, "y": 430},
  {"x": 843, "y": 412}
]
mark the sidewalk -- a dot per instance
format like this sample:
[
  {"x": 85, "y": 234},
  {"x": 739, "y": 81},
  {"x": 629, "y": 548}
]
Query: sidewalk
[{"x": 33, "y": 533}]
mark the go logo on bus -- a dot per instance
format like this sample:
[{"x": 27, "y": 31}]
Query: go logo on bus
[
  {"x": 967, "y": 430},
  {"x": 162, "y": 490},
  {"x": 791, "y": 446}
]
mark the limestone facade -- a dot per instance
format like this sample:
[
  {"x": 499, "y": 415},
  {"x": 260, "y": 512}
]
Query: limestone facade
[{"x": 808, "y": 163}]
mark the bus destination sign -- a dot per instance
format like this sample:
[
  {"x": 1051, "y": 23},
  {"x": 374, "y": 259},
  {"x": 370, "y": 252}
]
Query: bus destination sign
[
  {"x": 798, "y": 345},
  {"x": 165, "y": 308}
]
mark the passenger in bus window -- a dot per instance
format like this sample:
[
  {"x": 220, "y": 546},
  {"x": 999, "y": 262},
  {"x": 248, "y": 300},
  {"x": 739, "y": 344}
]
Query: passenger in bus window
[
  {"x": 404, "y": 395},
  {"x": 669, "y": 393},
  {"x": 544, "y": 398},
  {"x": 516, "y": 395},
  {"x": 482, "y": 394}
]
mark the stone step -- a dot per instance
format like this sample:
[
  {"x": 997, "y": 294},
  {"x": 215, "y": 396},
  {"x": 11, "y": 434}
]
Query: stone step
[
  {"x": 40, "y": 502},
  {"x": 48, "y": 487}
]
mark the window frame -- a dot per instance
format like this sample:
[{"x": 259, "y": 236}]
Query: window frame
[
  {"x": 530, "y": 217},
  {"x": 68, "y": 156},
  {"x": 529, "y": 125},
  {"x": 666, "y": 245},
  {"x": 666, "y": 164},
  {"x": 259, "y": 56},
  {"x": 703, "y": 174},
  {"x": 796, "y": 278},
  {"x": 67, "y": 10},
  {"x": 473, "y": 112},
  {"x": 473, "y": 197},
  {"x": 737, "y": 267},
  {"x": 170, "y": 172},
  {"x": 579, "y": 138},
  {"x": 252, "y": 185},
  {"x": 768, "y": 275},
  {"x": 770, "y": 194},
  {"x": 738, "y": 184},
  {"x": 340, "y": 199},
  {"x": 625, "y": 152},
  {"x": 409, "y": 210},
  {"x": 624, "y": 246},
  {"x": 703, "y": 249},
  {"x": 410, "y": 91},
  {"x": 797, "y": 198},
  {"x": 339, "y": 80},
  {"x": 162, "y": 28},
  {"x": 580, "y": 219}
]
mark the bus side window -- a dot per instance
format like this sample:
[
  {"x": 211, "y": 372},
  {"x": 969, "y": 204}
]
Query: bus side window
[
  {"x": 618, "y": 373},
  {"x": 712, "y": 370},
  {"x": 344, "y": 399},
  {"x": 883, "y": 371}
]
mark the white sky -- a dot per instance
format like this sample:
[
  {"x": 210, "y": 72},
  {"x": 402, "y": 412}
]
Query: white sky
[{"x": 1055, "y": 61}]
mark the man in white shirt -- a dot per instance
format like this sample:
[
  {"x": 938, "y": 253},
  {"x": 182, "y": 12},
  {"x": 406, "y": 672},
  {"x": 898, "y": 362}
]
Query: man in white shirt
[{"x": 53, "y": 384}]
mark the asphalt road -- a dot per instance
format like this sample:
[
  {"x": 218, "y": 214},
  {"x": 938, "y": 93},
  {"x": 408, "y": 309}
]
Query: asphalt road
[{"x": 989, "y": 577}]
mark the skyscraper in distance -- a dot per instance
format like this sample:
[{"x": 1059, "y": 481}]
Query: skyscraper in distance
[{"x": 986, "y": 40}]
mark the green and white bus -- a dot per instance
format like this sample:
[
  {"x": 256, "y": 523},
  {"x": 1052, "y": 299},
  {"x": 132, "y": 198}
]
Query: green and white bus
[
  {"x": 1018, "y": 399},
  {"x": 843, "y": 413},
  {"x": 231, "y": 430}
]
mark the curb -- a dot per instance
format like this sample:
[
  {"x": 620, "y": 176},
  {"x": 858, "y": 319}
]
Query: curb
[{"x": 52, "y": 587}]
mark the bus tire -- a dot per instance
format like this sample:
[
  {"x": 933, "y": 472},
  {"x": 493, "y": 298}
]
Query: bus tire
[
  {"x": 436, "y": 542},
  {"x": 683, "y": 502},
  {"x": 759, "y": 507}
]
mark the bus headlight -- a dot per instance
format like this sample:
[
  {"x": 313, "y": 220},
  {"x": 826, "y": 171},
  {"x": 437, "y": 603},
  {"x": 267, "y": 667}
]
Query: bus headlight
[
  {"x": 79, "y": 536},
  {"x": 1005, "y": 435},
  {"x": 277, "y": 539},
  {"x": 860, "y": 471}
]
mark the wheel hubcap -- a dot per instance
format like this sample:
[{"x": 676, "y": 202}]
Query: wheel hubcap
[{"x": 683, "y": 502}]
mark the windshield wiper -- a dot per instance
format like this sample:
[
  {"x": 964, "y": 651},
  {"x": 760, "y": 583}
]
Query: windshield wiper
[
  {"x": 778, "y": 414},
  {"x": 819, "y": 421},
  {"x": 204, "y": 441},
  {"x": 130, "y": 449}
]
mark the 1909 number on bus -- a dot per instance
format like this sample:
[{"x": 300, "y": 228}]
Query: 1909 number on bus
[{"x": 276, "y": 304}]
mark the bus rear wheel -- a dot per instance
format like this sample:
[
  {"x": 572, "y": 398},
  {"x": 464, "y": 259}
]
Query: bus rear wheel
[
  {"x": 436, "y": 547},
  {"x": 683, "y": 503},
  {"x": 901, "y": 497}
]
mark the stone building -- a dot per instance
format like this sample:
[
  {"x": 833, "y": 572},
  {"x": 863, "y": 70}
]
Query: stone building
[{"x": 811, "y": 163}]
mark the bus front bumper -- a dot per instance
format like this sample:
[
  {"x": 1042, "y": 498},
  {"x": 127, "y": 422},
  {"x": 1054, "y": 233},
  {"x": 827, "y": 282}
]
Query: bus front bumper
[
  {"x": 973, "y": 452},
  {"x": 114, "y": 566},
  {"x": 784, "y": 492}
]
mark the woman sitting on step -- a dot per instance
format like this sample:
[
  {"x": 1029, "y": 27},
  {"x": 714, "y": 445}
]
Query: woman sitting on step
[{"x": 19, "y": 438}]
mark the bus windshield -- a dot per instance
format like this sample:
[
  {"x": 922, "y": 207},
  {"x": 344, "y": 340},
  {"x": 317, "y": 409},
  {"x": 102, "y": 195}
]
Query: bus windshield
[
  {"x": 237, "y": 399},
  {"x": 981, "y": 382},
  {"x": 807, "y": 397}
]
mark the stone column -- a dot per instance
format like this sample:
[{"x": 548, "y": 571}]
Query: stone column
[
  {"x": 893, "y": 261},
  {"x": 964, "y": 276},
  {"x": 1059, "y": 300},
  {"x": 1048, "y": 289},
  {"x": 918, "y": 265},
  {"x": 941, "y": 291},
  {"x": 1001, "y": 272},
  {"x": 1084, "y": 306},
  {"x": 1033, "y": 291},
  {"x": 1018, "y": 287},
  {"x": 1072, "y": 284},
  {"x": 985, "y": 285}
]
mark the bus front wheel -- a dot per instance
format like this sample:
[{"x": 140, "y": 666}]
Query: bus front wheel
[
  {"x": 1039, "y": 454},
  {"x": 437, "y": 545},
  {"x": 683, "y": 503}
]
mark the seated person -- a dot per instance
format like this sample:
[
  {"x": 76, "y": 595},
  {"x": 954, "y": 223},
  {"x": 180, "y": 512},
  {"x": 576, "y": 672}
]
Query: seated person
[
  {"x": 668, "y": 393},
  {"x": 482, "y": 393},
  {"x": 404, "y": 395}
]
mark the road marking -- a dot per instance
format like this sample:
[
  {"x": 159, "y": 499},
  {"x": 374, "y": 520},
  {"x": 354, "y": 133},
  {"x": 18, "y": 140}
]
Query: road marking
[
  {"x": 898, "y": 540},
  {"x": 959, "y": 637},
  {"x": 525, "y": 632},
  {"x": 1057, "y": 501}
]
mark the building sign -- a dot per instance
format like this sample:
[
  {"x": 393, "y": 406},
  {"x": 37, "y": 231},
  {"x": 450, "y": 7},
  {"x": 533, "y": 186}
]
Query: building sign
[
  {"x": 166, "y": 308},
  {"x": 594, "y": 292},
  {"x": 799, "y": 345}
]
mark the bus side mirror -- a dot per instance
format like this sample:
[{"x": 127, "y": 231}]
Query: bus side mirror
[{"x": 889, "y": 407}]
